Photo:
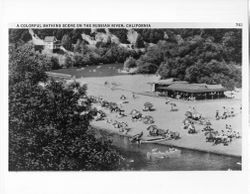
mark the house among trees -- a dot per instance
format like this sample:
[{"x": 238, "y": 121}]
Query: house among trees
[
  {"x": 185, "y": 90},
  {"x": 51, "y": 43}
]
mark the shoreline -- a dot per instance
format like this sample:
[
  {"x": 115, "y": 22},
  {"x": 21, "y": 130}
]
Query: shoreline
[{"x": 168, "y": 143}]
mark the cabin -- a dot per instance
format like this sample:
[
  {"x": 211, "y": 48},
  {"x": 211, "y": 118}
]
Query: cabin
[
  {"x": 51, "y": 43},
  {"x": 195, "y": 91}
]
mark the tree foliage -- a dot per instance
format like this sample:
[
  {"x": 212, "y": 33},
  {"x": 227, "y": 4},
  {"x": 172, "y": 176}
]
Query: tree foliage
[
  {"x": 49, "y": 121},
  {"x": 180, "y": 53},
  {"x": 66, "y": 42}
]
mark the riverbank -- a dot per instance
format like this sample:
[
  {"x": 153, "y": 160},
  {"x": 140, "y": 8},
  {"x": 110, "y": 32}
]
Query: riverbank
[
  {"x": 138, "y": 156},
  {"x": 105, "y": 81},
  {"x": 166, "y": 143},
  {"x": 164, "y": 118}
]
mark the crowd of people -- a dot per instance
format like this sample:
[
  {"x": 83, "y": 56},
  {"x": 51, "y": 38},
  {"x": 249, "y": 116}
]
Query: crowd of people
[
  {"x": 135, "y": 114},
  {"x": 193, "y": 117},
  {"x": 224, "y": 136},
  {"x": 226, "y": 113}
]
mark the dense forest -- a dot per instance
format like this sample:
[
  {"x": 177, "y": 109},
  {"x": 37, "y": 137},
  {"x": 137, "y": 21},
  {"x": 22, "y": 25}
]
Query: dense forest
[
  {"x": 49, "y": 121},
  {"x": 210, "y": 56}
]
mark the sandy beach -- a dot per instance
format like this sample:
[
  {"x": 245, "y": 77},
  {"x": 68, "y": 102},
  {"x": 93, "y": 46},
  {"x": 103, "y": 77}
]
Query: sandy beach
[{"x": 126, "y": 84}]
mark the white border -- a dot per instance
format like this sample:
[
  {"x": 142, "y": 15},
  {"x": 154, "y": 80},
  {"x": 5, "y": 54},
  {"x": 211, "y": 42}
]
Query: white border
[{"x": 190, "y": 12}]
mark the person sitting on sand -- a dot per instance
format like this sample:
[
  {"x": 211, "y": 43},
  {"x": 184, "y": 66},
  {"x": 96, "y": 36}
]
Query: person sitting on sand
[
  {"x": 229, "y": 128},
  {"x": 232, "y": 112},
  {"x": 123, "y": 97},
  {"x": 191, "y": 128},
  {"x": 167, "y": 101}
]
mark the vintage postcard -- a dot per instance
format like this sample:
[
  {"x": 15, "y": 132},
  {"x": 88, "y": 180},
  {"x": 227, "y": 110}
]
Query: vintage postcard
[{"x": 124, "y": 97}]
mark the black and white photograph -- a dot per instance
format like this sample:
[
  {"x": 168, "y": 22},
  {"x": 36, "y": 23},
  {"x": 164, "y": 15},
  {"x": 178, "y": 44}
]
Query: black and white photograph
[{"x": 125, "y": 99}]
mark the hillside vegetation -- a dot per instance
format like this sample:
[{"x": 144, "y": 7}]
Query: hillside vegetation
[{"x": 210, "y": 56}]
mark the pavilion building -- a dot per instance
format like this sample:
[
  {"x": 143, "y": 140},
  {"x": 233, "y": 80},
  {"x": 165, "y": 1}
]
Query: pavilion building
[
  {"x": 182, "y": 89},
  {"x": 196, "y": 91}
]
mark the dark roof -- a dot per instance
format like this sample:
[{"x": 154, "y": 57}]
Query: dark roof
[
  {"x": 168, "y": 81},
  {"x": 50, "y": 39},
  {"x": 195, "y": 88}
]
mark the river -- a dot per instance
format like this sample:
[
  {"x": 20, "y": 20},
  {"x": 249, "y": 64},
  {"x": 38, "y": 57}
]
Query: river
[{"x": 137, "y": 157}]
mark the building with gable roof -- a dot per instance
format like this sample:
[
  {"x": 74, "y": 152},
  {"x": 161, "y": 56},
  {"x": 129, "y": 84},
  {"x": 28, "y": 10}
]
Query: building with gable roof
[{"x": 51, "y": 43}]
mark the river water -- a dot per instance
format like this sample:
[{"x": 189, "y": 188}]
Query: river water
[{"x": 137, "y": 157}]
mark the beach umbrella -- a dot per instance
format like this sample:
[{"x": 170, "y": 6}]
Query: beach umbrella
[
  {"x": 152, "y": 127},
  {"x": 210, "y": 133},
  {"x": 134, "y": 111},
  {"x": 148, "y": 104},
  {"x": 188, "y": 114},
  {"x": 208, "y": 123},
  {"x": 172, "y": 104},
  {"x": 148, "y": 117}
]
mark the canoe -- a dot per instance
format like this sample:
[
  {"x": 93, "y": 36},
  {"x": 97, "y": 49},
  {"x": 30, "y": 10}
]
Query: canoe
[{"x": 155, "y": 140}]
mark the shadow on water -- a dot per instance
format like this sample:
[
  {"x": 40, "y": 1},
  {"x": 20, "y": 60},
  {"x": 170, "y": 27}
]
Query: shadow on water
[{"x": 137, "y": 157}]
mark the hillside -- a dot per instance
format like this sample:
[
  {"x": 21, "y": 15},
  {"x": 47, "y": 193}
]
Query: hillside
[{"x": 196, "y": 55}]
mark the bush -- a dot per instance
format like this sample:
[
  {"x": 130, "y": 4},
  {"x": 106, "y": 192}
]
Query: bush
[
  {"x": 48, "y": 126},
  {"x": 129, "y": 63},
  {"x": 68, "y": 62},
  {"x": 55, "y": 63}
]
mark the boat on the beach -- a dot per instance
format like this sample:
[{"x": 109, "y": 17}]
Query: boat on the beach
[
  {"x": 155, "y": 140},
  {"x": 136, "y": 138}
]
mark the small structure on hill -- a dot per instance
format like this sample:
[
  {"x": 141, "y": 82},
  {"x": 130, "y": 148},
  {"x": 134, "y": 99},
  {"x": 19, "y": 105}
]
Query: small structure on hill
[{"x": 51, "y": 43}]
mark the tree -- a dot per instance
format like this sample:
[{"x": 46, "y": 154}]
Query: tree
[
  {"x": 49, "y": 122},
  {"x": 66, "y": 42},
  {"x": 17, "y": 35},
  {"x": 27, "y": 65},
  {"x": 139, "y": 42},
  {"x": 129, "y": 63}
]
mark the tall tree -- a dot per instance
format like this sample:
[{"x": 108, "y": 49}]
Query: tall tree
[
  {"x": 49, "y": 121},
  {"x": 66, "y": 42}
]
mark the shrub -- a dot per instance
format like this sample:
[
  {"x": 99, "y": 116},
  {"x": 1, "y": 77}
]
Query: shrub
[{"x": 129, "y": 63}]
